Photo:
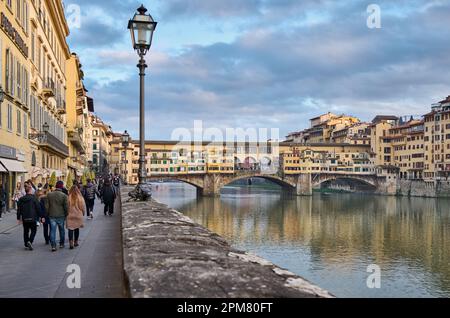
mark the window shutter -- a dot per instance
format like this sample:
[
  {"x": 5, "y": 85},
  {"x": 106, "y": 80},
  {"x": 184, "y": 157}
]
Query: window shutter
[
  {"x": 7, "y": 66},
  {"x": 13, "y": 82}
]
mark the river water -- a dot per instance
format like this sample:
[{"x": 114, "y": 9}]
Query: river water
[{"x": 331, "y": 240}]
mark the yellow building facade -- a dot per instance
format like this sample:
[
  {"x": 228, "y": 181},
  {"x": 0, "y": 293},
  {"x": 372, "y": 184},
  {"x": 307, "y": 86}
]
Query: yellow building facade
[
  {"x": 79, "y": 125},
  {"x": 49, "y": 51},
  {"x": 46, "y": 121},
  {"x": 15, "y": 151},
  {"x": 437, "y": 142}
]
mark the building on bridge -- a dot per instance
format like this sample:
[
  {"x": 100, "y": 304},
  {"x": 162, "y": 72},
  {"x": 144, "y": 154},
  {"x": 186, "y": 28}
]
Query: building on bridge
[{"x": 170, "y": 158}]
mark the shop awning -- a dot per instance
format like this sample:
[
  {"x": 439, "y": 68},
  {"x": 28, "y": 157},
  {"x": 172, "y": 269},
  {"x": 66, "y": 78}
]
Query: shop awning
[
  {"x": 12, "y": 165},
  {"x": 2, "y": 169}
]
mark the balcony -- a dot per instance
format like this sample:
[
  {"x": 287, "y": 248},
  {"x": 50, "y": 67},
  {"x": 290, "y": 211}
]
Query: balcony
[
  {"x": 49, "y": 89},
  {"x": 76, "y": 139},
  {"x": 49, "y": 142}
]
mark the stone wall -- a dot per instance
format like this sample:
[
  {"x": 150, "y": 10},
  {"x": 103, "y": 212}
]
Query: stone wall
[
  {"x": 422, "y": 189},
  {"x": 167, "y": 255}
]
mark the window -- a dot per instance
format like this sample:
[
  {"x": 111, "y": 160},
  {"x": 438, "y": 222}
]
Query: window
[
  {"x": 7, "y": 74},
  {"x": 10, "y": 117},
  {"x": 25, "y": 126},
  {"x": 95, "y": 146},
  {"x": 19, "y": 122},
  {"x": 25, "y": 16},
  {"x": 32, "y": 47},
  {"x": 25, "y": 86},
  {"x": 18, "y": 10},
  {"x": 18, "y": 81}
]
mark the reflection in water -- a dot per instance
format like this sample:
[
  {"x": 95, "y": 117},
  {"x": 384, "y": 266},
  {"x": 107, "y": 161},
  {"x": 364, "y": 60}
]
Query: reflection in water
[{"x": 331, "y": 239}]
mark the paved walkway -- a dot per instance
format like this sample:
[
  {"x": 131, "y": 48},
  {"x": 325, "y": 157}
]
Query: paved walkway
[{"x": 42, "y": 274}]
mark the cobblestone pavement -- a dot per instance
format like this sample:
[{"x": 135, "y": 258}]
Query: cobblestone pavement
[{"x": 43, "y": 274}]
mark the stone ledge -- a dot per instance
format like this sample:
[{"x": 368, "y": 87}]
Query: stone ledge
[{"x": 167, "y": 255}]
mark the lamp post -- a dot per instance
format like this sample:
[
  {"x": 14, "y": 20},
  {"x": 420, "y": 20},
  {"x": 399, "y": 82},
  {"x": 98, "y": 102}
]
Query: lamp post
[
  {"x": 45, "y": 128},
  {"x": 141, "y": 28},
  {"x": 125, "y": 144}
]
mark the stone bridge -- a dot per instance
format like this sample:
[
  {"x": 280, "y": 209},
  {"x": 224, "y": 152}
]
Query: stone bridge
[{"x": 210, "y": 184}]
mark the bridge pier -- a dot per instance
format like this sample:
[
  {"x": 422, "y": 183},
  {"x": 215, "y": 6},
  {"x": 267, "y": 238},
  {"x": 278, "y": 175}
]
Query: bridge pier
[
  {"x": 304, "y": 185},
  {"x": 212, "y": 183}
]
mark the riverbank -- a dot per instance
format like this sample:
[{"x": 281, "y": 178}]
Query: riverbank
[{"x": 166, "y": 254}]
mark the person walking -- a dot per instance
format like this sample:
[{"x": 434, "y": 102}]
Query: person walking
[
  {"x": 108, "y": 195},
  {"x": 2, "y": 199},
  {"x": 28, "y": 212},
  {"x": 17, "y": 194},
  {"x": 33, "y": 187},
  {"x": 89, "y": 192},
  {"x": 77, "y": 209},
  {"x": 57, "y": 209},
  {"x": 42, "y": 197}
]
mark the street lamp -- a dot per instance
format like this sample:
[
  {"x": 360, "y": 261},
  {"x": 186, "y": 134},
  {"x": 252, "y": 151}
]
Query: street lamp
[
  {"x": 125, "y": 139},
  {"x": 125, "y": 143},
  {"x": 45, "y": 128},
  {"x": 141, "y": 28}
]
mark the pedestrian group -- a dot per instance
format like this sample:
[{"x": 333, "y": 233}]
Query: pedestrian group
[{"x": 61, "y": 209}]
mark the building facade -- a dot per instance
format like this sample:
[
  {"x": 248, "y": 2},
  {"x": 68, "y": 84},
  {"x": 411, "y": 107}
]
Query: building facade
[
  {"x": 15, "y": 149},
  {"x": 79, "y": 125},
  {"x": 46, "y": 121},
  {"x": 49, "y": 51},
  {"x": 437, "y": 142},
  {"x": 323, "y": 128},
  {"x": 102, "y": 137}
]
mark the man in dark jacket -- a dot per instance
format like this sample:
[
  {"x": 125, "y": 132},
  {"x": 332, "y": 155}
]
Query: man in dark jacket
[
  {"x": 2, "y": 199},
  {"x": 108, "y": 194},
  {"x": 28, "y": 213},
  {"x": 89, "y": 192},
  {"x": 57, "y": 209}
]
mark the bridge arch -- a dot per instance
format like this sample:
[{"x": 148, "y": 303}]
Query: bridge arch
[
  {"x": 368, "y": 181},
  {"x": 195, "y": 182},
  {"x": 275, "y": 179}
]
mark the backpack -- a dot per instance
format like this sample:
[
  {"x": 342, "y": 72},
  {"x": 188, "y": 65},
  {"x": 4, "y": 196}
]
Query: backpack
[{"x": 89, "y": 192}]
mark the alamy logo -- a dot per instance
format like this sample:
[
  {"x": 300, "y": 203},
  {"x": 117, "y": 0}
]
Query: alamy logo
[
  {"x": 74, "y": 279},
  {"x": 73, "y": 15},
  {"x": 374, "y": 279},
  {"x": 374, "y": 18}
]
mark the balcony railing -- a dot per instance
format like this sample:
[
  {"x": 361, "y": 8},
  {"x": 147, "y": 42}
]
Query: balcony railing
[
  {"x": 76, "y": 139},
  {"x": 61, "y": 107},
  {"x": 49, "y": 87},
  {"x": 47, "y": 140}
]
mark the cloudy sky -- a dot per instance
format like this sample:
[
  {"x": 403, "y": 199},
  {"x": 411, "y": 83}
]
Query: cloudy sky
[{"x": 263, "y": 63}]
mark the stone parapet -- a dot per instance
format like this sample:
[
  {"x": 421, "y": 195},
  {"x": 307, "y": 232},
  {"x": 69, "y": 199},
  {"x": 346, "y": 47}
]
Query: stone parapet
[{"x": 167, "y": 255}]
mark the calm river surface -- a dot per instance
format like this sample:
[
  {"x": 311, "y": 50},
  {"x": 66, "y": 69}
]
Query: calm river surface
[{"x": 332, "y": 239}]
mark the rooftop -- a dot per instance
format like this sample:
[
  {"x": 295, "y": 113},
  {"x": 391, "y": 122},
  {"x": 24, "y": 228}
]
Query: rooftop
[{"x": 380, "y": 118}]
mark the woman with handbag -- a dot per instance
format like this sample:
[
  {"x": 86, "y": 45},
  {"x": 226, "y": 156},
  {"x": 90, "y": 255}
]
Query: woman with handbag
[{"x": 76, "y": 211}]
